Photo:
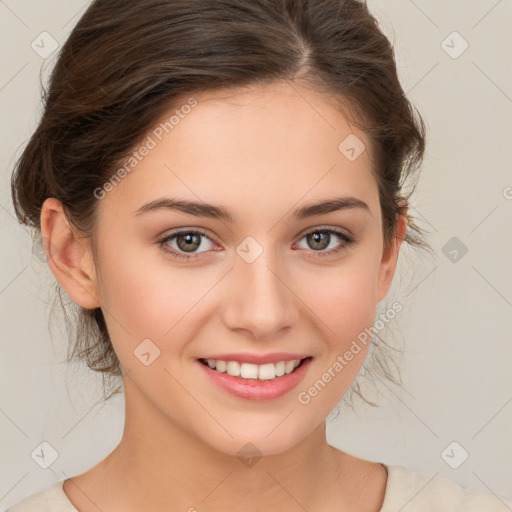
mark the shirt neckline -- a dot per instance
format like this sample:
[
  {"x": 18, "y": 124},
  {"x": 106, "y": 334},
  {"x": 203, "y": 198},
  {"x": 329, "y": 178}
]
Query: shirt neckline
[{"x": 59, "y": 497}]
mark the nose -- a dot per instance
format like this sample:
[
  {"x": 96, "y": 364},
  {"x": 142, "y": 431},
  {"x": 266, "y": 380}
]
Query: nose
[{"x": 260, "y": 300}]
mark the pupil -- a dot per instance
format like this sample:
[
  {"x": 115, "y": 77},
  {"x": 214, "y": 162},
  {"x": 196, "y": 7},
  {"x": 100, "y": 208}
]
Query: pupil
[
  {"x": 318, "y": 238},
  {"x": 189, "y": 238}
]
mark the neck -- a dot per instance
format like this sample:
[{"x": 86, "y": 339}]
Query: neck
[{"x": 159, "y": 466}]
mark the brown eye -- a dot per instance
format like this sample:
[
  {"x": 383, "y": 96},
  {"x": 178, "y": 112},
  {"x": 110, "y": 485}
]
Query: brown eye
[
  {"x": 188, "y": 241},
  {"x": 186, "y": 244},
  {"x": 320, "y": 239}
]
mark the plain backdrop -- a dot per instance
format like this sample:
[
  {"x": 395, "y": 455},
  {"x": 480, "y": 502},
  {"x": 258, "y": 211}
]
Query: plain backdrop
[{"x": 455, "y": 417}]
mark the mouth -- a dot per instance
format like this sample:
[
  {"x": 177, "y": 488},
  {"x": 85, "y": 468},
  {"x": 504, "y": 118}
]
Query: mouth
[
  {"x": 251, "y": 381},
  {"x": 260, "y": 372}
]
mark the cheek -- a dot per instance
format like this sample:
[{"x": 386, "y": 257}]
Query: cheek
[
  {"x": 145, "y": 298},
  {"x": 344, "y": 297},
  {"x": 344, "y": 307}
]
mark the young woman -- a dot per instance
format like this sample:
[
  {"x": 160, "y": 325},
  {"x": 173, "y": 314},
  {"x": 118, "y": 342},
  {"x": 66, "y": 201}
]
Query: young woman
[{"x": 218, "y": 188}]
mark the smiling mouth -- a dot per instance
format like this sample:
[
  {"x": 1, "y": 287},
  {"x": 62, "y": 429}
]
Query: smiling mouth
[{"x": 269, "y": 371}]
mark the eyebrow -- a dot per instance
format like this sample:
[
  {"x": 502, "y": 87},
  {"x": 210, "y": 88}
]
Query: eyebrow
[{"x": 219, "y": 212}]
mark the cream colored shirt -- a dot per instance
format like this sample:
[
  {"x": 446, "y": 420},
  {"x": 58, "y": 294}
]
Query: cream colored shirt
[{"x": 407, "y": 490}]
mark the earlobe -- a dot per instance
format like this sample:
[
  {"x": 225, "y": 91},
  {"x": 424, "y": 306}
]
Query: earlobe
[
  {"x": 390, "y": 257},
  {"x": 69, "y": 257}
]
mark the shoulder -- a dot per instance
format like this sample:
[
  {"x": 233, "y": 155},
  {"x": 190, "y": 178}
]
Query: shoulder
[
  {"x": 51, "y": 499},
  {"x": 421, "y": 492}
]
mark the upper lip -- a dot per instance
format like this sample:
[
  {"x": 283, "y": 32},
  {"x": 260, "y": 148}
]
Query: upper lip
[{"x": 258, "y": 359}]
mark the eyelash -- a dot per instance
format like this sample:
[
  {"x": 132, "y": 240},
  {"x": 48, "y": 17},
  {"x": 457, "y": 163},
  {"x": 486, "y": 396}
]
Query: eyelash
[{"x": 348, "y": 240}]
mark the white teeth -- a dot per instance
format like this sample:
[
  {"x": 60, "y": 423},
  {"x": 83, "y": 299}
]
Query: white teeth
[
  {"x": 280, "y": 368},
  {"x": 267, "y": 371},
  {"x": 221, "y": 366},
  {"x": 253, "y": 371},
  {"x": 289, "y": 366},
  {"x": 249, "y": 371},
  {"x": 233, "y": 368}
]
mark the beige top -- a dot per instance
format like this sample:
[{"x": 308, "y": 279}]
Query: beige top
[{"x": 406, "y": 490}]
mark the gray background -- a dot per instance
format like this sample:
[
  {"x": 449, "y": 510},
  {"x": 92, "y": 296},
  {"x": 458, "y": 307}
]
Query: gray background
[{"x": 456, "y": 324}]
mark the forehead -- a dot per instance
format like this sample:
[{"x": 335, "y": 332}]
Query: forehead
[
  {"x": 283, "y": 108},
  {"x": 277, "y": 142}
]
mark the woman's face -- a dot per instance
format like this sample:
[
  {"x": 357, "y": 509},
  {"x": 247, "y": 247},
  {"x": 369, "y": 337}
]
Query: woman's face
[{"x": 264, "y": 282}]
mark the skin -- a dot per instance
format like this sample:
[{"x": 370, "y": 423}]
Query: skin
[{"x": 261, "y": 152}]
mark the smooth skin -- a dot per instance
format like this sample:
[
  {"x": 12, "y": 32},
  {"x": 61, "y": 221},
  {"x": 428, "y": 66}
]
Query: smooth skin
[{"x": 260, "y": 152}]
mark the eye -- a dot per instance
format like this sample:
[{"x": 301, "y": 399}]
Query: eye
[
  {"x": 186, "y": 242},
  {"x": 320, "y": 239}
]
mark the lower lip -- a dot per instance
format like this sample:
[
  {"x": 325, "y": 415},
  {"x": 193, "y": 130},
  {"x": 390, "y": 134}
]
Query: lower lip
[{"x": 254, "y": 389}]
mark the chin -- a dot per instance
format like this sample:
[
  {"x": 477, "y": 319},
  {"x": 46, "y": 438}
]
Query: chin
[{"x": 257, "y": 442}]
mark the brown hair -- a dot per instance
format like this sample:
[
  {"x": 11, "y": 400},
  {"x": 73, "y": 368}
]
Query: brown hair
[{"x": 127, "y": 62}]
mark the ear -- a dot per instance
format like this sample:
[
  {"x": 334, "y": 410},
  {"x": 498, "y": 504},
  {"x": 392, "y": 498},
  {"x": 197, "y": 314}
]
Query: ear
[
  {"x": 69, "y": 257},
  {"x": 390, "y": 256}
]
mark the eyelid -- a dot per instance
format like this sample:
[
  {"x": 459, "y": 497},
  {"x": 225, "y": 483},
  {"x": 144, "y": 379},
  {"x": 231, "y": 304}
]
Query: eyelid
[
  {"x": 178, "y": 231},
  {"x": 327, "y": 227}
]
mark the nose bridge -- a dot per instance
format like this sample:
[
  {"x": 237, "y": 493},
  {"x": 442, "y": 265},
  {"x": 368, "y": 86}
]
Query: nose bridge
[{"x": 260, "y": 301}]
